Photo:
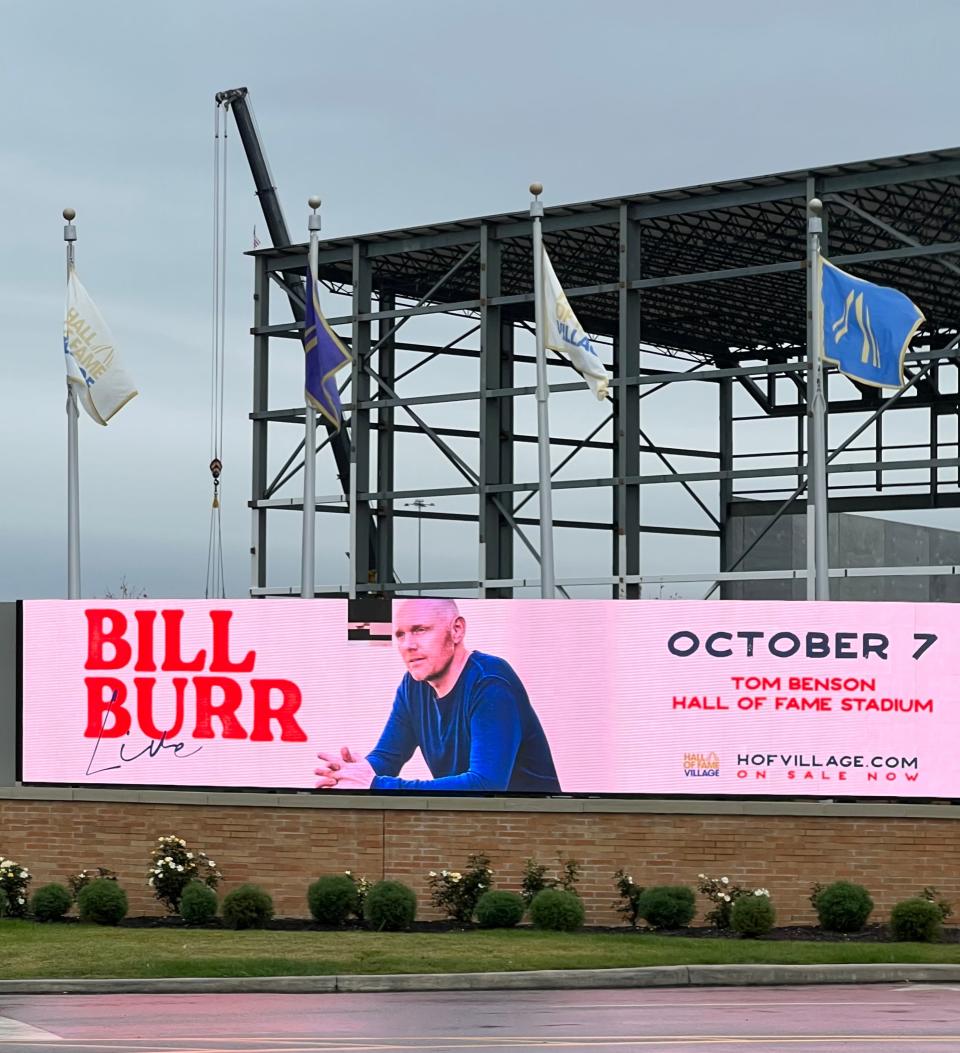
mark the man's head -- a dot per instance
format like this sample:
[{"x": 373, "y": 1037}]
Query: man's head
[{"x": 429, "y": 635}]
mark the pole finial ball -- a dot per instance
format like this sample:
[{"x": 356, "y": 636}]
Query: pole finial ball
[
  {"x": 815, "y": 206},
  {"x": 69, "y": 214},
  {"x": 313, "y": 202},
  {"x": 536, "y": 189}
]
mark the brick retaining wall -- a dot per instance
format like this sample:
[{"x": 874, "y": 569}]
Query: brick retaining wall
[{"x": 285, "y": 847}]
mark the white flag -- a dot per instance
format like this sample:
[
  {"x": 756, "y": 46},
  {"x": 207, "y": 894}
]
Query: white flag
[
  {"x": 564, "y": 334},
  {"x": 93, "y": 367}
]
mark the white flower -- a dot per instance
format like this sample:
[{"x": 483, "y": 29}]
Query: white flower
[
  {"x": 21, "y": 900},
  {"x": 189, "y": 855},
  {"x": 180, "y": 869},
  {"x": 433, "y": 873},
  {"x": 726, "y": 898},
  {"x": 347, "y": 872},
  {"x": 724, "y": 881},
  {"x": 629, "y": 879},
  {"x": 210, "y": 863},
  {"x": 481, "y": 886},
  {"x": 150, "y": 882},
  {"x": 24, "y": 873},
  {"x": 703, "y": 877},
  {"x": 761, "y": 892}
]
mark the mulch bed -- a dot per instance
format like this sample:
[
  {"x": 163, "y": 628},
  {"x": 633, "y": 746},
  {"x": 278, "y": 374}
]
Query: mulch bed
[{"x": 805, "y": 933}]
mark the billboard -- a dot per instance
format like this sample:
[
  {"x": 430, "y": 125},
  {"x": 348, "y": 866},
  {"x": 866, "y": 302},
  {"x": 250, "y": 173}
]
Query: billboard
[{"x": 494, "y": 697}]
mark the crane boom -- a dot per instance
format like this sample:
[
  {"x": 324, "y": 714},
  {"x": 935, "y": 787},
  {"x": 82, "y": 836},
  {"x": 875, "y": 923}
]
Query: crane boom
[{"x": 237, "y": 100}]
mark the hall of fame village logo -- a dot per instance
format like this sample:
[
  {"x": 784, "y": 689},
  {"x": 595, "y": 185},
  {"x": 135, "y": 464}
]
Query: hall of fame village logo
[{"x": 701, "y": 765}]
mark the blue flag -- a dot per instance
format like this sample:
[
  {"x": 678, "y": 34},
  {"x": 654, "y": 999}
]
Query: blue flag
[
  {"x": 867, "y": 328},
  {"x": 324, "y": 357}
]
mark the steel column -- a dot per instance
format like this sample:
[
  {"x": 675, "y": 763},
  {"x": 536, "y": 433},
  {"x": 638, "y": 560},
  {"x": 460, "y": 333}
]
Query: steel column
[
  {"x": 626, "y": 414},
  {"x": 261, "y": 388},
  {"x": 360, "y": 555},
  {"x": 496, "y": 420},
  {"x": 386, "y": 437}
]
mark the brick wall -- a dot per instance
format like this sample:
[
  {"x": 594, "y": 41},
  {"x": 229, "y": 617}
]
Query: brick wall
[{"x": 284, "y": 848}]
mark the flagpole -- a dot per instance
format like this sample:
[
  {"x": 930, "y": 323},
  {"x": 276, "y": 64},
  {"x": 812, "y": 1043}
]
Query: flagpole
[
  {"x": 816, "y": 416},
  {"x": 73, "y": 459},
  {"x": 307, "y": 576},
  {"x": 547, "y": 584}
]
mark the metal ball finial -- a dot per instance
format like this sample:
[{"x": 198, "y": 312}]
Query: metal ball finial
[
  {"x": 314, "y": 202},
  {"x": 815, "y": 206},
  {"x": 536, "y": 189},
  {"x": 69, "y": 214}
]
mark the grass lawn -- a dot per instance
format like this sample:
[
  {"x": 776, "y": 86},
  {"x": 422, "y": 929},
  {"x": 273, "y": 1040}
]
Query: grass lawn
[{"x": 30, "y": 950}]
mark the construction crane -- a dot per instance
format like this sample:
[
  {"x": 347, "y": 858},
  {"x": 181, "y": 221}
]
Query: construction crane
[{"x": 238, "y": 102}]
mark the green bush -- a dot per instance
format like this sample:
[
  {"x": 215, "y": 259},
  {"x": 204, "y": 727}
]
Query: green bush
[
  {"x": 552, "y": 908},
  {"x": 198, "y": 904},
  {"x": 4, "y": 904},
  {"x": 51, "y": 902},
  {"x": 667, "y": 906},
  {"x": 247, "y": 907},
  {"x": 752, "y": 916},
  {"x": 390, "y": 906},
  {"x": 332, "y": 899},
  {"x": 915, "y": 919},
  {"x": 843, "y": 906},
  {"x": 103, "y": 902},
  {"x": 500, "y": 910}
]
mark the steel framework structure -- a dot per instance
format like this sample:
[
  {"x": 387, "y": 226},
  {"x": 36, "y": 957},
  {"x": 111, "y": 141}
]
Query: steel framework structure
[{"x": 705, "y": 285}]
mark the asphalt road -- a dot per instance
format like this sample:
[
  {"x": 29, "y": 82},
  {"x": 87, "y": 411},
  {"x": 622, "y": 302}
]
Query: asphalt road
[{"x": 916, "y": 1018}]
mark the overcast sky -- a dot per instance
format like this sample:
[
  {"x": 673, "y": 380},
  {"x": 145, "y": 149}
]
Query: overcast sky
[{"x": 396, "y": 114}]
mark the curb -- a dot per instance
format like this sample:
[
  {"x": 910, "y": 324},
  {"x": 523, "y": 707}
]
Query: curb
[{"x": 541, "y": 980}]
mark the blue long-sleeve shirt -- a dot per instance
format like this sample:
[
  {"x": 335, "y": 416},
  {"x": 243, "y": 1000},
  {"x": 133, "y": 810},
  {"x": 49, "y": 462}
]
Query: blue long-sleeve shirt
[{"x": 484, "y": 735}]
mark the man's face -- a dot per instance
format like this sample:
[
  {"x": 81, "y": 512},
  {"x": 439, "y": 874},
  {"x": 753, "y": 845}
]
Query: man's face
[{"x": 426, "y": 637}]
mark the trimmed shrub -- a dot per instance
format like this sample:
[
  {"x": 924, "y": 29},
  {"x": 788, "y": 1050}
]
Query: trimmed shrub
[
  {"x": 555, "y": 909},
  {"x": 843, "y": 906},
  {"x": 332, "y": 899},
  {"x": 915, "y": 919},
  {"x": 390, "y": 906},
  {"x": 198, "y": 904},
  {"x": 500, "y": 910},
  {"x": 103, "y": 902},
  {"x": 667, "y": 906},
  {"x": 247, "y": 907},
  {"x": 51, "y": 902},
  {"x": 752, "y": 916}
]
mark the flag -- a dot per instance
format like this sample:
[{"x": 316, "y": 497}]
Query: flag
[
  {"x": 867, "y": 328},
  {"x": 93, "y": 367},
  {"x": 564, "y": 334},
  {"x": 324, "y": 355},
  {"x": 256, "y": 240}
]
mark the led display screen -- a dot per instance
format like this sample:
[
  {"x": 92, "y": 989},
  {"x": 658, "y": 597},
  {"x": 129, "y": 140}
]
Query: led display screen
[{"x": 494, "y": 697}]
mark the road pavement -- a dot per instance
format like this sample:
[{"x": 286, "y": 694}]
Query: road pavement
[{"x": 919, "y": 1018}]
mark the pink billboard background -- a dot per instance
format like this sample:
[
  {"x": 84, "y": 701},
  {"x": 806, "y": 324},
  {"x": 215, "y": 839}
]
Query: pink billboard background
[{"x": 630, "y": 699}]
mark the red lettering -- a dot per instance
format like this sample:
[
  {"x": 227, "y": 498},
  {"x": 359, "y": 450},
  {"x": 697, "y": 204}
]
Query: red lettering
[
  {"x": 172, "y": 660},
  {"x": 98, "y": 636},
  {"x": 105, "y": 698},
  {"x": 144, "y": 686},
  {"x": 145, "y": 662},
  {"x": 225, "y": 710},
  {"x": 263, "y": 712},
  {"x": 220, "y": 656}
]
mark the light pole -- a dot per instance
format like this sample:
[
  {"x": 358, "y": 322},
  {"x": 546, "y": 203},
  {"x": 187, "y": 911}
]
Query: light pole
[{"x": 420, "y": 504}]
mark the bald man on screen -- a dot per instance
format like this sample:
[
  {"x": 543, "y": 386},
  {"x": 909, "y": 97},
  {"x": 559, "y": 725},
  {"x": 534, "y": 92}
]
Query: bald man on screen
[{"x": 467, "y": 712}]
